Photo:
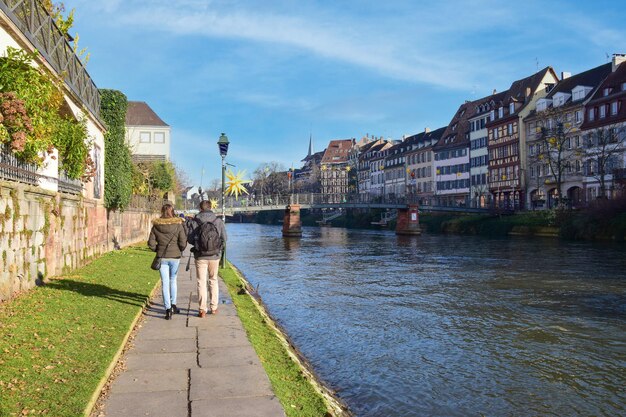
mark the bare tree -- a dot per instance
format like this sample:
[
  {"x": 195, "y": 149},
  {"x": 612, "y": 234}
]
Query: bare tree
[
  {"x": 603, "y": 153},
  {"x": 270, "y": 178},
  {"x": 553, "y": 148}
]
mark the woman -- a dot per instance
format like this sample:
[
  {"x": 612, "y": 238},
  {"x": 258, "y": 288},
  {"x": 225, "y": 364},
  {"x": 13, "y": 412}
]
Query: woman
[{"x": 168, "y": 239}]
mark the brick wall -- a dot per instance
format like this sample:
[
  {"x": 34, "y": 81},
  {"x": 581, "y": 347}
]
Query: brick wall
[{"x": 43, "y": 234}]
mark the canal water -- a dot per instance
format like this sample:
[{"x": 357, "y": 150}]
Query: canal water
[{"x": 442, "y": 325}]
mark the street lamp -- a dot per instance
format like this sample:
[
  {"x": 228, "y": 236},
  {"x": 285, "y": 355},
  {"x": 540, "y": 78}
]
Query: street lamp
[{"x": 222, "y": 144}]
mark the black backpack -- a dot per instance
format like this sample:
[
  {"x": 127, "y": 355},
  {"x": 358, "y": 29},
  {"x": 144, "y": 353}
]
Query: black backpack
[{"x": 207, "y": 240}]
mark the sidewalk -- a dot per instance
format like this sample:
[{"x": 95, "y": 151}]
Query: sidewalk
[{"x": 191, "y": 366}]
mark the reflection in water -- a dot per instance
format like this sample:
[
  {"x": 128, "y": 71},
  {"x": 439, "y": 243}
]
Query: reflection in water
[{"x": 448, "y": 325}]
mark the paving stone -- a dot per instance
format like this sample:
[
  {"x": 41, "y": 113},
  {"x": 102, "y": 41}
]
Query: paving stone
[
  {"x": 211, "y": 321},
  {"x": 229, "y": 382},
  {"x": 221, "y": 337},
  {"x": 160, "y": 361},
  {"x": 166, "y": 346},
  {"x": 152, "y": 331},
  {"x": 151, "y": 381},
  {"x": 152, "y": 404},
  {"x": 228, "y": 356},
  {"x": 265, "y": 406}
]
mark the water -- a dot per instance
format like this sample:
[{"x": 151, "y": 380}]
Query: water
[{"x": 448, "y": 325}]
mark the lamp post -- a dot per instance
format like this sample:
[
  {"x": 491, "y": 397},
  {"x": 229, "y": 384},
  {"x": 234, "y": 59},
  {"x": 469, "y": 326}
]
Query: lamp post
[{"x": 222, "y": 144}]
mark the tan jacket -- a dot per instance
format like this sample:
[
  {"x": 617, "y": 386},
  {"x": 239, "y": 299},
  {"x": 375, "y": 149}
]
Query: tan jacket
[{"x": 165, "y": 230}]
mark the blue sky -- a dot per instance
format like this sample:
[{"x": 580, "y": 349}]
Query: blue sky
[{"x": 271, "y": 73}]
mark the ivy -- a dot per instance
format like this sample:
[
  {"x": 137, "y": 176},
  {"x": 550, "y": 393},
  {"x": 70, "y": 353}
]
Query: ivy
[
  {"x": 118, "y": 167},
  {"x": 31, "y": 120}
]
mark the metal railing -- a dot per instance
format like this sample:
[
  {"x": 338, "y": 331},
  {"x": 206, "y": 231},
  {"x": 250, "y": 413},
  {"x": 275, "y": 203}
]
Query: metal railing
[
  {"x": 13, "y": 169},
  {"x": 39, "y": 27},
  {"x": 68, "y": 185}
]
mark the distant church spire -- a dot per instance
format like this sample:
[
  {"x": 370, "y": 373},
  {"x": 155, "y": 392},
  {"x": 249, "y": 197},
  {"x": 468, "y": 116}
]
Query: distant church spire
[{"x": 310, "y": 145}]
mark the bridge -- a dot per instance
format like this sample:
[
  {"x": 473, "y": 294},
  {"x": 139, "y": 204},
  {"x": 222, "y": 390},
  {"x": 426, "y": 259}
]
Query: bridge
[
  {"x": 248, "y": 204},
  {"x": 406, "y": 208}
]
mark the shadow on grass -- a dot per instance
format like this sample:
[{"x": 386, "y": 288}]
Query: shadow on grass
[{"x": 89, "y": 289}]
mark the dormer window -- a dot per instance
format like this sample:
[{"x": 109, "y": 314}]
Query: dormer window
[
  {"x": 501, "y": 112},
  {"x": 590, "y": 115},
  {"x": 492, "y": 115},
  {"x": 606, "y": 91},
  {"x": 511, "y": 108}
]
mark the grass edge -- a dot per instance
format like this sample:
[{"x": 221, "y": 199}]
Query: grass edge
[
  {"x": 107, "y": 373},
  {"x": 334, "y": 405}
]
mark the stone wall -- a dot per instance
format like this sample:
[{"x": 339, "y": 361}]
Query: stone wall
[{"x": 43, "y": 234}]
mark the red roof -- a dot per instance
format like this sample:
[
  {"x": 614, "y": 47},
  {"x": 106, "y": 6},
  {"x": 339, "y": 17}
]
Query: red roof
[{"x": 337, "y": 151}]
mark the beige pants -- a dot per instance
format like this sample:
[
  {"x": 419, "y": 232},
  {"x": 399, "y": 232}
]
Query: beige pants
[{"x": 210, "y": 267}]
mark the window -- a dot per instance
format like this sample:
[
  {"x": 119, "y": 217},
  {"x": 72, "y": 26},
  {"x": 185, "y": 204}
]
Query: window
[
  {"x": 606, "y": 91},
  {"x": 144, "y": 137},
  {"x": 623, "y": 86},
  {"x": 501, "y": 112},
  {"x": 159, "y": 137},
  {"x": 614, "y": 108},
  {"x": 590, "y": 115},
  {"x": 602, "y": 111},
  {"x": 578, "y": 116},
  {"x": 511, "y": 108},
  {"x": 510, "y": 129}
]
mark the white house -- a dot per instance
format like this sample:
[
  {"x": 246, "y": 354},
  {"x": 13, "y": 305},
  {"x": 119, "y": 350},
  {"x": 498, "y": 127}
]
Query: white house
[{"x": 147, "y": 135}]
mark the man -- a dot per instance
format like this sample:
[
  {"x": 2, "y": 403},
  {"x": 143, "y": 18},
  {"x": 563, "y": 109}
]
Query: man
[{"x": 208, "y": 236}]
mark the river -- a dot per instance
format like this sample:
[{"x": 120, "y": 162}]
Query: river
[{"x": 441, "y": 325}]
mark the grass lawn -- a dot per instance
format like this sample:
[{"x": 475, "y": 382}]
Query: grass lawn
[
  {"x": 297, "y": 395},
  {"x": 57, "y": 341}
]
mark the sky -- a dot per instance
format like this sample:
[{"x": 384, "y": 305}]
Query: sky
[{"x": 272, "y": 74}]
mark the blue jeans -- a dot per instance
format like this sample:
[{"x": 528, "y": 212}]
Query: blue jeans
[{"x": 168, "y": 271}]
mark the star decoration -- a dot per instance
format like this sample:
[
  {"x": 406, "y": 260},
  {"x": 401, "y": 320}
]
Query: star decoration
[{"x": 236, "y": 183}]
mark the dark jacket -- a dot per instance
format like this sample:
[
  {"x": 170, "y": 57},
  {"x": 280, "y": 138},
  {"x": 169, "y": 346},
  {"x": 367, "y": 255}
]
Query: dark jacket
[
  {"x": 164, "y": 230},
  {"x": 203, "y": 217}
]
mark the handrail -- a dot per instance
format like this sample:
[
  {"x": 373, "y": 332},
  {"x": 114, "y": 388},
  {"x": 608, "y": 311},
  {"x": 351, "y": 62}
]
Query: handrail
[{"x": 34, "y": 21}]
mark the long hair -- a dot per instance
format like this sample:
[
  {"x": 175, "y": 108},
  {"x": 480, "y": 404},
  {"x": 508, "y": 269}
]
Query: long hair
[{"x": 167, "y": 211}]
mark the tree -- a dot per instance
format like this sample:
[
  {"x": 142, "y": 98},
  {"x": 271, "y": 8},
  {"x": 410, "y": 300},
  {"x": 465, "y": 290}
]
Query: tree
[
  {"x": 552, "y": 148},
  {"x": 603, "y": 153},
  {"x": 270, "y": 178}
]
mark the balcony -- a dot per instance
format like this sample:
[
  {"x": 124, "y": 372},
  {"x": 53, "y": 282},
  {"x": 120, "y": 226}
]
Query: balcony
[{"x": 40, "y": 29}]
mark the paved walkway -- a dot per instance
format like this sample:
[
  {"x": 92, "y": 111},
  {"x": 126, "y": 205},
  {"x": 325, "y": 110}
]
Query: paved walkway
[{"x": 191, "y": 366}]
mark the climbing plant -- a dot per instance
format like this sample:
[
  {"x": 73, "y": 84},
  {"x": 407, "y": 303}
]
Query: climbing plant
[
  {"x": 118, "y": 168},
  {"x": 31, "y": 117}
]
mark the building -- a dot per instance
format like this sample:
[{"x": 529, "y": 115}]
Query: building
[
  {"x": 451, "y": 155},
  {"x": 364, "y": 176},
  {"x": 479, "y": 195},
  {"x": 604, "y": 131},
  {"x": 335, "y": 169},
  {"x": 354, "y": 156},
  {"x": 395, "y": 170},
  {"x": 419, "y": 160},
  {"x": 307, "y": 178},
  {"x": 507, "y": 138},
  {"x": 147, "y": 135},
  {"x": 554, "y": 141}
]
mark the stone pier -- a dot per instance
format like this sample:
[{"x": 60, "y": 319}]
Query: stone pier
[
  {"x": 408, "y": 221},
  {"x": 292, "y": 227}
]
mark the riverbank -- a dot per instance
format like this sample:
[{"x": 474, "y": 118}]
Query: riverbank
[
  {"x": 605, "y": 220},
  {"x": 293, "y": 379}
]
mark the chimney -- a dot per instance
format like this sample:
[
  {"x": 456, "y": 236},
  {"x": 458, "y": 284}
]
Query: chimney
[
  {"x": 617, "y": 59},
  {"x": 427, "y": 130},
  {"x": 494, "y": 92},
  {"x": 565, "y": 75}
]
